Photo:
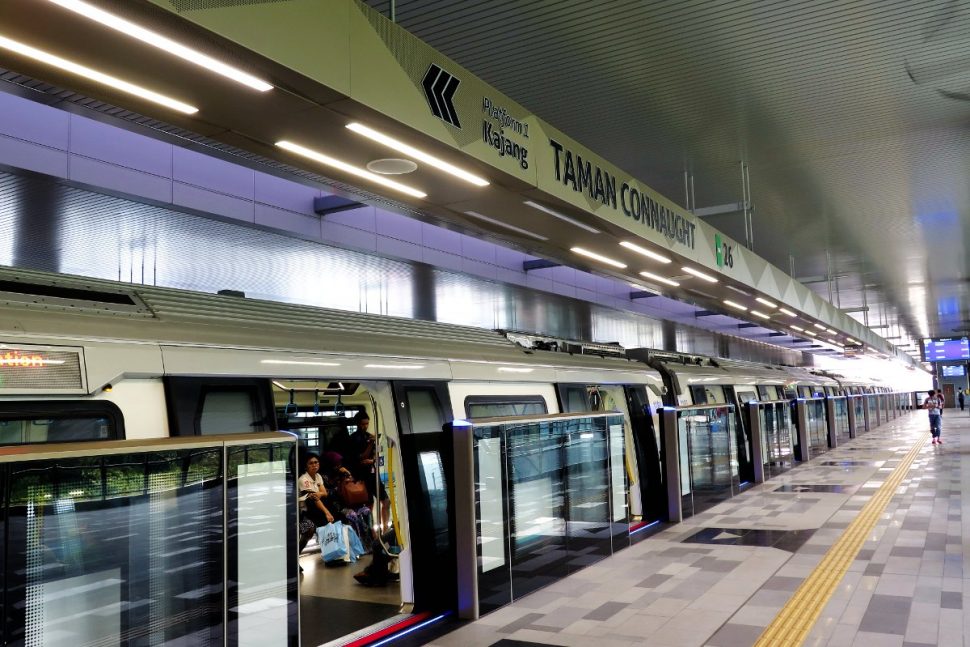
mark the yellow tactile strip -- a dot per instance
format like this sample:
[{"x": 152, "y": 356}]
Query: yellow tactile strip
[{"x": 796, "y": 618}]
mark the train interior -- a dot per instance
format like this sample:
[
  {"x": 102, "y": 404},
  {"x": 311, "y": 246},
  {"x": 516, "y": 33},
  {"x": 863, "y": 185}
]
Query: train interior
[{"x": 342, "y": 596}]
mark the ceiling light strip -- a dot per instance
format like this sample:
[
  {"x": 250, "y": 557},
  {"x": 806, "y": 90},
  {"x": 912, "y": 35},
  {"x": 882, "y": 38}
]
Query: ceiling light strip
[
  {"x": 735, "y": 305},
  {"x": 766, "y": 302},
  {"x": 756, "y": 313},
  {"x": 699, "y": 274},
  {"x": 562, "y": 216},
  {"x": 644, "y": 251},
  {"x": 499, "y": 223},
  {"x": 659, "y": 279},
  {"x": 419, "y": 155},
  {"x": 787, "y": 312},
  {"x": 94, "y": 75},
  {"x": 349, "y": 168},
  {"x": 163, "y": 43},
  {"x": 597, "y": 257}
]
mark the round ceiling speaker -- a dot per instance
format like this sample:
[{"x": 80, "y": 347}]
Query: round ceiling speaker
[{"x": 392, "y": 166}]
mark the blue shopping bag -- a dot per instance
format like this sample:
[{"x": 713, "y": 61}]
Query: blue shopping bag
[
  {"x": 331, "y": 540},
  {"x": 355, "y": 546}
]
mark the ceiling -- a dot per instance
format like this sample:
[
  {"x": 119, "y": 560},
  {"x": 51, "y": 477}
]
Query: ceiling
[{"x": 850, "y": 115}]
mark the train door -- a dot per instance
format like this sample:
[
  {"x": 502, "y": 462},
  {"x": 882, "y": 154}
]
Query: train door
[
  {"x": 649, "y": 453},
  {"x": 739, "y": 397},
  {"x": 428, "y": 460}
]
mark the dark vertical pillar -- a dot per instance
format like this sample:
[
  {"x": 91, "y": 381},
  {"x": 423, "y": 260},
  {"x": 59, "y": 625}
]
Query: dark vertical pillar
[
  {"x": 723, "y": 346},
  {"x": 36, "y": 242},
  {"x": 669, "y": 332},
  {"x": 423, "y": 292}
]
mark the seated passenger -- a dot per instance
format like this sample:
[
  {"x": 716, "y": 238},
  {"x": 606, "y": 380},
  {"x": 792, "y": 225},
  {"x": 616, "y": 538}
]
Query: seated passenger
[
  {"x": 312, "y": 496},
  {"x": 357, "y": 515}
]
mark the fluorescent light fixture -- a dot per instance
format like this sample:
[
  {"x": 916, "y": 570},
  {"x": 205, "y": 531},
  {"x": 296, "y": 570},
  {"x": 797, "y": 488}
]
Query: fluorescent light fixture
[
  {"x": 94, "y": 75},
  {"x": 787, "y": 312},
  {"x": 812, "y": 333},
  {"x": 738, "y": 290},
  {"x": 499, "y": 223},
  {"x": 411, "y": 151},
  {"x": 402, "y": 367},
  {"x": 699, "y": 274},
  {"x": 659, "y": 279},
  {"x": 561, "y": 216},
  {"x": 597, "y": 257},
  {"x": 294, "y": 362},
  {"x": 820, "y": 326},
  {"x": 514, "y": 369},
  {"x": 735, "y": 305},
  {"x": 349, "y": 168},
  {"x": 760, "y": 314},
  {"x": 851, "y": 341},
  {"x": 161, "y": 42},
  {"x": 798, "y": 328},
  {"x": 646, "y": 252},
  {"x": 766, "y": 302}
]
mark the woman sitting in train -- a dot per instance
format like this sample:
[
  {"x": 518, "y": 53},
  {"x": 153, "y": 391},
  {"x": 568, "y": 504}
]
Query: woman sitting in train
[
  {"x": 313, "y": 494},
  {"x": 349, "y": 497}
]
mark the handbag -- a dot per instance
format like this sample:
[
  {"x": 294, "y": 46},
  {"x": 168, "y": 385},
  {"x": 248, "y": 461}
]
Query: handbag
[
  {"x": 306, "y": 526},
  {"x": 333, "y": 547},
  {"x": 353, "y": 493}
]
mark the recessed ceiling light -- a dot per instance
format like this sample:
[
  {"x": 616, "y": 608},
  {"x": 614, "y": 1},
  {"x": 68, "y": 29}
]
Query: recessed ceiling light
[
  {"x": 646, "y": 252},
  {"x": 499, "y": 223},
  {"x": 787, "y": 312},
  {"x": 295, "y": 362},
  {"x": 766, "y": 302},
  {"x": 735, "y": 305},
  {"x": 699, "y": 274},
  {"x": 411, "y": 151},
  {"x": 562, "y": 216},
  {"x": 96, "y": 76},
  {"x": 820, "y": 326},
  {"x": 163, "y": 43},
  {"x": 403, "y": 367},
  {"x": 659, "y": 279},
  {"x": 597, "y": 257},
  {"x": 391, "y": 166},
  {"x": 812, "y": 333},
  {"x": 760, "y": 314},
  {"x": 798, "y": 328},
  {"x": 349, "y": 168}
]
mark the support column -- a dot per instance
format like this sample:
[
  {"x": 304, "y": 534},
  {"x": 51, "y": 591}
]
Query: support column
[
  {"x": 830, "y": 423},
  {"x": 669, "y": 331},
  {"x": 850, "y": 404},
  {"x": 804, "y": 445},
  {"x": 865, "y": 412},
  {"x": 672, "y": 449},
  {"x": 757, "y": 441},
  {"x": 423, "y": 292},
  {"x": 36, "y": 242}
]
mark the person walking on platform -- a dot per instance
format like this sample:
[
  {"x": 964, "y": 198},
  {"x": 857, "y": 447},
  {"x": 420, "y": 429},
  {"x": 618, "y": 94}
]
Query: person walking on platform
[
  {"x": 934, "y": 405},
  {"x": 960, "y": 399}
]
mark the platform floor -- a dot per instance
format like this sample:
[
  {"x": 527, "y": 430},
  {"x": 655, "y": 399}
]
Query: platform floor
[{"x": 722, "y": 577}]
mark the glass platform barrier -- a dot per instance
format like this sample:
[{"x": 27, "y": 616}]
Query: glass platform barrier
[
  {"x": 176, "y": 541},
  {"x": 548, "y": 495},
  {"x": 812, "y": 436},
  {"x": 837, "y": 417},
  {"x": 772, "y": 436},
  {"x": 706, "y": 472}
]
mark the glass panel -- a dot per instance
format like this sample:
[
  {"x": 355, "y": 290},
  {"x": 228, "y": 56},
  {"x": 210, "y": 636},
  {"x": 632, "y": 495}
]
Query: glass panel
[
  {"x": 55, "y": 430},
  {"x": 91, "y": 550},
  {"x": 434, "y": 484},
  {"x": 712, "y": 452},
  {"x": 505, "y": 408},
  {"x": 547, "y": 495},
  {"x": 424, "y": 410},
  {"x": 226, "y": 412}
]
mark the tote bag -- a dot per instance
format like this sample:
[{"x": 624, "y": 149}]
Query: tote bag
[{"x": 333, "y": 546}]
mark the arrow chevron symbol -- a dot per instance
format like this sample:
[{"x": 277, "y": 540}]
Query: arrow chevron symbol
[{"x": 439, "y": 88}]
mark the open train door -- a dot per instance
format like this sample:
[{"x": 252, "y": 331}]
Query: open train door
[
  {"x": 648, "y": 448},
  {"x": 427, "y": 457}
]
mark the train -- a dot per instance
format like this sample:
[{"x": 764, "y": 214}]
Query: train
[{"x": 569, "y": 427}]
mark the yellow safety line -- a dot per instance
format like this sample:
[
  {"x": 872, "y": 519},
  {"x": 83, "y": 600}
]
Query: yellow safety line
[{"x": 798, "y": 616}]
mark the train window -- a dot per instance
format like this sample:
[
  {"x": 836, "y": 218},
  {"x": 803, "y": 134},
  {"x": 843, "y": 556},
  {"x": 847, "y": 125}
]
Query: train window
[
  {"x": 207, "y": 406},
  {"x": 575, "y": 398},
  {"x": 501, "y": 406},
  {"x": 713, "y": 394},
  {"x": 424, "y": 409},
  {"x": 747, "y": 396},
  {"x": 23, "y": 423},
  {"x": 698, "y": 394}
]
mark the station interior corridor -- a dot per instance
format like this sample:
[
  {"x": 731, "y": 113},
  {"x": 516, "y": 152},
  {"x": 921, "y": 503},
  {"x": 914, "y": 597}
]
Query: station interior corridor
[{"x": 720, "y": 578}]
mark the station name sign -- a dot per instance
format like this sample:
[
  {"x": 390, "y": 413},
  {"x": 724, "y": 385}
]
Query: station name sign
[{"x": 582, "y": 176}]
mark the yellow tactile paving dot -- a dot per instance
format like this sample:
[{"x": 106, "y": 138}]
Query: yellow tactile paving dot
[{"x": 793, "y": 623}]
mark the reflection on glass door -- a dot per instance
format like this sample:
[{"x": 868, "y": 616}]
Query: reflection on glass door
[
  {"x": 708, "y": 447},
  {"x": 777, "y": 433}
]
